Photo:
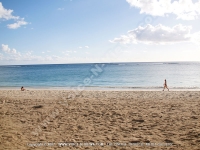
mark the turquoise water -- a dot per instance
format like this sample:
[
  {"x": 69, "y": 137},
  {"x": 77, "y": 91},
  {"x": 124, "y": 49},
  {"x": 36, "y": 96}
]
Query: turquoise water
[{"x": 122, "y": 75}]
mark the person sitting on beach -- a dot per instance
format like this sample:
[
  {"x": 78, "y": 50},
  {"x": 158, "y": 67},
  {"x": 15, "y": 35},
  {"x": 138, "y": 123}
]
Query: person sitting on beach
[
  {"x": 165, "y": 85},
  {"x": 22, "y": 88}
]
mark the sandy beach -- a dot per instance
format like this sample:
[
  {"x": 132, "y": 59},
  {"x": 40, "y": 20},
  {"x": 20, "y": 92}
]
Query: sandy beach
[{"x": 54, "y": 119}]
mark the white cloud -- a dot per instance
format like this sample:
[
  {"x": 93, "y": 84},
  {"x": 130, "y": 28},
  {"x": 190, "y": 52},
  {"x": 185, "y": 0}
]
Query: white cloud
[
  {"x": 7, "y": 15},
  {"x": 1, "y": 56},
  {"x": 64, "y": 52},
  {"x": 54, "y": 57},
  {"x": 158, "y": 35},
  {"x": 61, "y": 8},
  {"x": 14, "y": 51},
  {"x": 80, "y": 47},
  {"x": 196, "y": 38},
  {"x": 6, "y": 49},
  {"x": 18, "y": 24},
  {"x": 183, "y": 9},
  {"x": 68, "y": 53},
  {"x": 123, "y": 39}
]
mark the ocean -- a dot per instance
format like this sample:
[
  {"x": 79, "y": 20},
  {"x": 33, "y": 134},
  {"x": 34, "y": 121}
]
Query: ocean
[{"x": 179, "y": 75}]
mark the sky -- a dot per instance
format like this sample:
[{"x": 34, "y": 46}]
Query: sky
[{"x": 98, "y": 31}]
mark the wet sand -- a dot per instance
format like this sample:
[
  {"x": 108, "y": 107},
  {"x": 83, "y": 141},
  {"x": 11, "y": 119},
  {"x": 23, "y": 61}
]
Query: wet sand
[{"x": 139, "y": 119}]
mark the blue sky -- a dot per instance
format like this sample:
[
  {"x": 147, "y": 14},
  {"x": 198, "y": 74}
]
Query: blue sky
[{"x": 75, "y": 31}]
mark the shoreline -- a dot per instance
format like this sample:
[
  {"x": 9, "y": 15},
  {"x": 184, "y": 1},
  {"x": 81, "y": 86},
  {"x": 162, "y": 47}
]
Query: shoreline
[{"x": 99, "y": 89}]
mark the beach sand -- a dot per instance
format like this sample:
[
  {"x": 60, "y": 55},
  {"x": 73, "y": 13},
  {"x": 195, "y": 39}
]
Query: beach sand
[{"x": 51, "y": 119}]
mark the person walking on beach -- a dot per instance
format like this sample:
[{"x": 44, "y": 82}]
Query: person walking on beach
[{"x": 165, "y": 85}]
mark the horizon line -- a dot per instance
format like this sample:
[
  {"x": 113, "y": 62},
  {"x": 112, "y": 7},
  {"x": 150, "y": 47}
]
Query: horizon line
[{"x": 102, "y": 63}]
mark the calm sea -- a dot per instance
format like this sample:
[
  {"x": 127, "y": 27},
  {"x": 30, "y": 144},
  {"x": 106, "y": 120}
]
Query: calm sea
[{"x": 181, "y": 75}]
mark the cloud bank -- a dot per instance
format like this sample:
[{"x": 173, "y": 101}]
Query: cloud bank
[
  {"x": 6, "y": 14},
  {"x": 9, "y": 54},
  {"x": 6, "y": 49},
  {"x": 12, "y": 55},
  {"x": 183, "y": 9},
  {"x": 158, "y": 35}
]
